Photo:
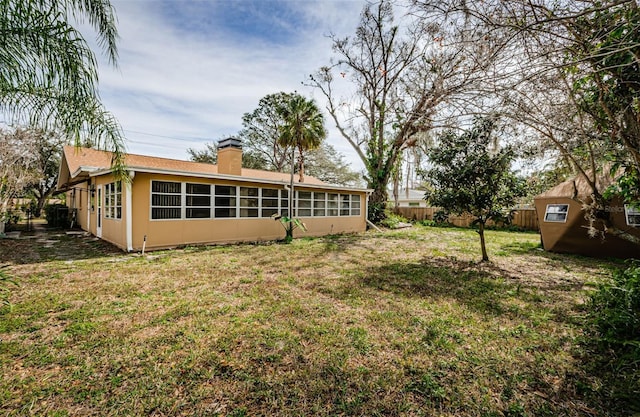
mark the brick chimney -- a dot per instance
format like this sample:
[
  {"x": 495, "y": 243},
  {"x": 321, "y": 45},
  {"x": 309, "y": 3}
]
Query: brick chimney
[{"x": 230, "y": 156}]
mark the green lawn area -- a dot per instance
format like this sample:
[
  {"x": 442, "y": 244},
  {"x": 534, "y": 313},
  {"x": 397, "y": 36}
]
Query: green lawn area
[{"x": 381, "y": 324}]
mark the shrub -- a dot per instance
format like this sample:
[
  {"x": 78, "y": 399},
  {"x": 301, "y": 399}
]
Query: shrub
[
  {"x": 392, "y": 220},
  {"x": 11, "y": 218},
  {"x": 57, "y": 215},
  {"x": 614, "y": 311},
  {"x": 441, "y": 216}
]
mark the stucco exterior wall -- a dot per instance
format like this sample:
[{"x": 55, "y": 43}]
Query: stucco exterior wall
[
  {"x": 113, "y": 229},
  {"x": 171, "y": 233},
  {"x": 77, "y": 198},
  {"x": 572, "y": 237}
]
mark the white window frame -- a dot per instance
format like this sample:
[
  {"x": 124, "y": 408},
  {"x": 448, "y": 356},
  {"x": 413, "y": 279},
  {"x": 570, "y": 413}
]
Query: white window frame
[
  {"x": 547, "y": 212},
  {"x": 113, "y": 200},
  {"x": 187, "y": 195},
  {"x": 275, "y": 200},
  {"x": 308, "y": 208},
  {"x": 355, "y": 209},
  {"x": 243, "y": 210},
  {"x": 629, "y": 210},
  {"x": 342, "y": 205},
  {"x": 319, "y": 208},
  {"x": 181, "y": 206}
]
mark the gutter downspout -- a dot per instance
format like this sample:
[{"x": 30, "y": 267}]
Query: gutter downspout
[{"x": 128, "y": 211}]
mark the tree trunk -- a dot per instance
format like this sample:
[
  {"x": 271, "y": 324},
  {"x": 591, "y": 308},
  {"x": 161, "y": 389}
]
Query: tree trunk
[
  {"x": 485, "y": 257},
  {"x": 378, "y": 204},
  {"x": 301, "y": 173},
  {"x": 289, "y": 228},
  {"x": 40, "y": 205}
]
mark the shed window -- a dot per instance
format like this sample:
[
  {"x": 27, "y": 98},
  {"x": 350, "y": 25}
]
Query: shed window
[
  {"x": 633, "y": 215},
  {"x": 166, "y": 200},
  {"x": 556, "y": 213}
]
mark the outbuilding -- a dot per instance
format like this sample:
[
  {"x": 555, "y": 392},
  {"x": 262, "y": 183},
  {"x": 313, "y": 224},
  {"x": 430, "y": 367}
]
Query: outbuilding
[
  {"x": 168, "y": 203},
  {"x": 564, "y": 228}
]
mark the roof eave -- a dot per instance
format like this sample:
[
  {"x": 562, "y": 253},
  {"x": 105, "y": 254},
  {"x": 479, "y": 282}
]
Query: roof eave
[{"x": 105, "y": 171}]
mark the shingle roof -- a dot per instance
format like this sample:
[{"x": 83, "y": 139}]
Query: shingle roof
[
  {"x": 79, "y": 159},
  {"x": 578, "y": 187}
]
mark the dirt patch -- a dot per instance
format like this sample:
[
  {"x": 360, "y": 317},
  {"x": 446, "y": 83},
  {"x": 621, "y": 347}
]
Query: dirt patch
[{"x": 43, "y": 244}]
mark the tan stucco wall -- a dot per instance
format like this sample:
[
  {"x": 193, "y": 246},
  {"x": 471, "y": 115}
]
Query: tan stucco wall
[
  {"x": 78, "y": 200},
  {"x": 113, "y": 230},
  {"x": 171, "y": 233}
]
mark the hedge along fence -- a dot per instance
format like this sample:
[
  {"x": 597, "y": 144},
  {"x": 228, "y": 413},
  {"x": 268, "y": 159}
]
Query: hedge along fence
[{"x": 524, "y": 218}]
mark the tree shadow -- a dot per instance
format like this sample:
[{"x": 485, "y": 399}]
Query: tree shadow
[
  {"x": 482, "y": 287},
  {"x": 45, "y": 245},
  {"x": 601, "y": 380}
]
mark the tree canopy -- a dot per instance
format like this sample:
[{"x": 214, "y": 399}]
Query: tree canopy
[
  {"x": 261, "y": 148},
  {"x": 302, "y": 128},
  {"x": 403, "y": 79},
  {"x": 48, "y": 73},
  {"x": 471, "y": 175}
]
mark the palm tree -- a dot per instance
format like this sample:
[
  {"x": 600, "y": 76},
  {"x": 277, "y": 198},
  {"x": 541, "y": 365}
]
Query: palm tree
[
  {"x": 303, "y": 128},
  {"x": 48, "y": 73}
]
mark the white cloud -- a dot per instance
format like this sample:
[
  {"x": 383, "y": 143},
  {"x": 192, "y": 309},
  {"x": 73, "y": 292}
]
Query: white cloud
[{"x": 185, "y": 78}]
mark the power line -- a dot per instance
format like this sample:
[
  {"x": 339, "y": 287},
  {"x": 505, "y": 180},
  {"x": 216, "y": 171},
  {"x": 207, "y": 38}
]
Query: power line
[{"x": 194, "y": 139}]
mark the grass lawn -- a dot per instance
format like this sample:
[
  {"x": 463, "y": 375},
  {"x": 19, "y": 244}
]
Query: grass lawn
[{"x": 381, "y": 324}]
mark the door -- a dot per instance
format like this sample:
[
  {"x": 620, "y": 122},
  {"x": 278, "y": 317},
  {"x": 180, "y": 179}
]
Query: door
[{"x": 99, "y": 212}]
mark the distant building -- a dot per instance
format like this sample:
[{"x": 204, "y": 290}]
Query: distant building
[{"x": 408, "y": 197}]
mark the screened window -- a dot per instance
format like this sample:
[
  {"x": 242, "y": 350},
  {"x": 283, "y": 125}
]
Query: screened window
[
  {"x": 225, "y": 201},
  {"x": 166, "y": 200},
  {"x": 113, "y": 200},
  {"x": 332, "y": 204},
  {"x": 249, "y": 202},
  {"x": 355, "y": 205},
  {"x": 198, "y": 201},
  {"x": 319, "y": 204},
  {"x": 345, "y": 200},
  {"x": 270, "y": 202},
  {"x": 556, "y": 213},
  {"x": 284, "y": 202},
  {"x": 304, "y": 203},
  {"x": 632, "y": 214}
]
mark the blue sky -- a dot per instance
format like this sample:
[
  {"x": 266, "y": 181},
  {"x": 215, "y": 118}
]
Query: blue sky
[{"x": 188, "y": 70}]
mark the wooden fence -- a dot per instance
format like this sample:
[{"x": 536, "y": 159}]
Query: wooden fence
[{"x": 524, "y": 218}]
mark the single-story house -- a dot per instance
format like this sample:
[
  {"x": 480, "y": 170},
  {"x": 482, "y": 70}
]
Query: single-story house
[
  {"x": 168, "y": 203},
  {"x": 564, "y": 229}
]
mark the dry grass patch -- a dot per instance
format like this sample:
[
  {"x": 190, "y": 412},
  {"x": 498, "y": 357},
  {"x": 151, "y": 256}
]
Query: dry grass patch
[{"x": 396, "y": 323}]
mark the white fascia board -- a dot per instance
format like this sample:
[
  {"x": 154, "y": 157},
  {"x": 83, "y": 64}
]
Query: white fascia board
[
  {"x": 231, "y": 178},
  {"x": 84, "y": 169}
]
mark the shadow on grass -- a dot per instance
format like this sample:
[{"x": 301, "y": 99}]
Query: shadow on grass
[
  {"x": 43, "y": 245},
  {"x": 603, "y": 379},
  {"x": 481, "y": 287}
]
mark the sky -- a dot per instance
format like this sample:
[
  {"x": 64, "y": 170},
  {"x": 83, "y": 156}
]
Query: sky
[{"x": 188, "y": 70}]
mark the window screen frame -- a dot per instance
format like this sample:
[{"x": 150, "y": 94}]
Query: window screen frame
[
  {"x": 629, "y": 210},
  {"x": 547, "y": 213}
]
